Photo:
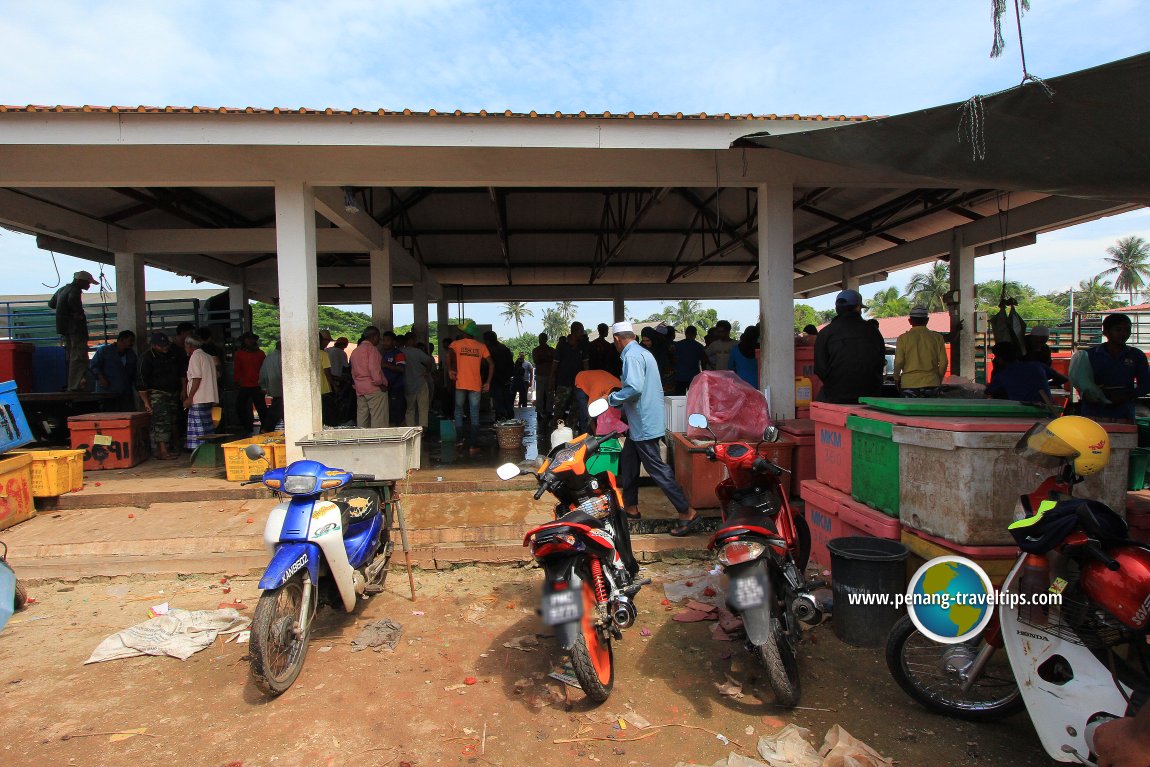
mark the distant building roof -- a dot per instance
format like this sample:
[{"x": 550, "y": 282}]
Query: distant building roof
[{"x": 893, "y": 327}]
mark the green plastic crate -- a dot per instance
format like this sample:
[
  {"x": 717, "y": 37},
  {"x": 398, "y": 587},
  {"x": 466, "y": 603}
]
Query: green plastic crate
[
  {"x": 1143, "y": 431},
  {"x": 874, "y": 464},
  {"x": 606, "y": 458}
]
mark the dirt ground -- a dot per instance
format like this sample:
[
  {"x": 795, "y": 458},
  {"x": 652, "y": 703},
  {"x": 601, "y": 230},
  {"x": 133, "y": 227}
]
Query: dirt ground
[{"x": 410, "y": 706}]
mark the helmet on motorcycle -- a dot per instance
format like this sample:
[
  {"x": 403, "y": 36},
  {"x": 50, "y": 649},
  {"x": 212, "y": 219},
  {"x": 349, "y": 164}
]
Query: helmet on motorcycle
[{"x": 1072, "y": 439}]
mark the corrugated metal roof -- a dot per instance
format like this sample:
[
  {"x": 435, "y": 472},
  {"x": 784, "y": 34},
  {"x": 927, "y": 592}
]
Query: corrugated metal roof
[{"x": 90, "y": 109}]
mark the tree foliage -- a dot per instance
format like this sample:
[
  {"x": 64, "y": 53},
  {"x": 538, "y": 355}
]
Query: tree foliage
[
  {"x": 805, "y": 315},
  {"x": 516, "y": 311},
  {"x": 888, "y": 303},
  {"x": 1129, "y": 260},
  {"x": 930, "y": 288}
]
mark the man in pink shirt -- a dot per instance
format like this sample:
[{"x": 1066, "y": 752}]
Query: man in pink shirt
[{"x": 371, "y": 410}]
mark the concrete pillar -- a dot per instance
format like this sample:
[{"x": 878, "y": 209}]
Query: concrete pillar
[
  {"x": 131, "y": 299},
  {"x": 381, "y": 315},
  {"x": 776, "y": 297},
  {"x": 238, "y": 304},
  {"x": 849, "y": 281},
  {"x": 419, "y": 307},
  {"x": 299, "y": 324},
  {"x": 962, "y": 312},
  {"x": 442, "y": 318},
  {"x": 618, "y": 305}
]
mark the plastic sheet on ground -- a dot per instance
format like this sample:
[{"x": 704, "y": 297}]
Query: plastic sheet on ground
[
  {"x": 735, "y": 410},
  {"x": 791, "y": 747},
  {"x": 379, "y": 635},
  {"x": 179, "y": 634},
  {"x": 701, "y": 581}
]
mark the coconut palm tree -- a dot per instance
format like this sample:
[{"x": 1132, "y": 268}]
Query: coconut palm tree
[
  {"x": 554, "y": 325},
  {"x": 566, "y": 310},
  {"x": 684, "y": 313},
  {"x": 888, "y": 303},
  {"x": 1130, "y": 261},
  {"x": 930, "y": 288},
  {"x": 516, "y": 311},
  {"x": 1093, "y": 295},
  {"x": 988, "y": 294}
]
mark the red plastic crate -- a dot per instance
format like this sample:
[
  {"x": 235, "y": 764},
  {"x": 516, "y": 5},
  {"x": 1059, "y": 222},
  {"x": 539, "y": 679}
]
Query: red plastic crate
[
  {"x": 805, "y": 366},
  {"x": 698, "y": 475},
  {"x": 802, "y": 433},
  {"x": 111, "y": 440},
  {"x": 832, "y": 514}
]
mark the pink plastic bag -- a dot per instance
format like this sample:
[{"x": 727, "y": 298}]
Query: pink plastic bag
[
  {"x": 735, "y": 410},
  {"x": 610, "y": 421}
]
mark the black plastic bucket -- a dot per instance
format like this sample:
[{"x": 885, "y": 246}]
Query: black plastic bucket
[{"x": 862, "y": 566}]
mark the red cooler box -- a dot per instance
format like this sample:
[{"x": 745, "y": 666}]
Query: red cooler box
[
  {"x": 802, "y": 433},
  {"x": 698, "y": 475},
  {"x": 831, "y": 514},
  {"x": 833, "y": 444},
  {"x": 111, "y": 440},
  {"x": 16, "y": 364}
]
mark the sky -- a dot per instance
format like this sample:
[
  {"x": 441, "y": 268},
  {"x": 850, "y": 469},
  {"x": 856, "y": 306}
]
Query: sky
[{"x": 854, "y": 57}]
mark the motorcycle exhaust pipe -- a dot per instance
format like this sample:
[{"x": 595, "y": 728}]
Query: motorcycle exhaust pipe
[
  {"x": 623, "y": 613},
  {"x": 808, "y": 609}
]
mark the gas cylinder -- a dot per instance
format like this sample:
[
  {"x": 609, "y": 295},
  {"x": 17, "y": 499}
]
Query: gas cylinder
[{"x": 561, "y": 434}]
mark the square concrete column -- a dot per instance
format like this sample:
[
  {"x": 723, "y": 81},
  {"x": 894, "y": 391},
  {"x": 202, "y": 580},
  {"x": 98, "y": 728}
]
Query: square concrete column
[
  {"x": 419, "y": 307},
  {"x": 777, "y": 297},
  {"x": 962, "y": 312},
  {"x": 443, "y": 321},
  {"x": 238, "y": 304},
  {"x": 131, "y": 298},
  {"x": 380, "y": 270},
  {"x": 299, "y": 323},
  {"x": 618, "y": 305}
]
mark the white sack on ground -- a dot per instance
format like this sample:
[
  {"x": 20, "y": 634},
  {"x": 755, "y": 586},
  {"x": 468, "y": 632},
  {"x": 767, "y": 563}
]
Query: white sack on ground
[{"x": 180, "y": 634}]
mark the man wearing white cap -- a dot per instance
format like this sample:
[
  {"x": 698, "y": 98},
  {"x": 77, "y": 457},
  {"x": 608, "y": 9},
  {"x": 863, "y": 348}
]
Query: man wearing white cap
[
  {"x": 72, "y": 325},
  {"x": 641, "y": 399},
  {"x": 919, "y": 358}
]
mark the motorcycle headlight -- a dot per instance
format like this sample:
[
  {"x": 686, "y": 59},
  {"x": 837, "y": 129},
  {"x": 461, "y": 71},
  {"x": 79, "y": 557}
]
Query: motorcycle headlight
[
  {"x": 298, "y": 484},
  {"x": 741, "y": 551}
]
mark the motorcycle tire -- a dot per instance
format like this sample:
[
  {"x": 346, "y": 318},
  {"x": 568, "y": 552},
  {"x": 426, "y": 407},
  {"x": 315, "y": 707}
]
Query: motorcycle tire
[
  {"x": 275, "y": 654},
  {"x": 782, "y": 665},
  {"x": 916, "y": 663},
  {"x": 21, "y": 598},
  {"x": 591, "y": 655}
]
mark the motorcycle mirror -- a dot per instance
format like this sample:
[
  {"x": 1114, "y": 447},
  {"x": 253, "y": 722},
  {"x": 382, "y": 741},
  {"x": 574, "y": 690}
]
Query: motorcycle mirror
[
  {"x": 597, "y": 408},
  {"x": 697, "y": 420},
  {"x": 771, "y": 434},
  {"x": 508, "y": 471},
  {"x": 254, "y": 452}
]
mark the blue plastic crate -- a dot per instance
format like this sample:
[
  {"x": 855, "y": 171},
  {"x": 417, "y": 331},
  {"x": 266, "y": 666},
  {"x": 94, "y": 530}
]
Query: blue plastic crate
[
  {"x": 50, "y": 369},
  {"x": 14, "y": 431}
]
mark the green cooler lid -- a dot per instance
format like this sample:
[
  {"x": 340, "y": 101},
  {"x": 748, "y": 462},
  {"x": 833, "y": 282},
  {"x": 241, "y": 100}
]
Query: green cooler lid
[{"x": 969, "y": 408}]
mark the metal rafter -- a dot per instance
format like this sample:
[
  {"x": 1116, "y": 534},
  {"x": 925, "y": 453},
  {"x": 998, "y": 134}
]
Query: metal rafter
[
  {"x": 499, "y": 203},
  {"x": 604, "y": 255},
  {"x": 401, "y": 207},
  {"x": 739, "y": 238}
]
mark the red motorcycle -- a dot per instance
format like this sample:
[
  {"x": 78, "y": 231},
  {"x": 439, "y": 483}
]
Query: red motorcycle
[{"x": 763, "y": 547}]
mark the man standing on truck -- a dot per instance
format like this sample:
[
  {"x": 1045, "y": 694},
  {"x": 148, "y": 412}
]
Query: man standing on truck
[{"x": 72, "y": 325}]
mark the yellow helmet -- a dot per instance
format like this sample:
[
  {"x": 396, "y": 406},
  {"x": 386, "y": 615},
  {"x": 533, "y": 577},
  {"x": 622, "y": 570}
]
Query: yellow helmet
[{"x": 1076, "y": 440}]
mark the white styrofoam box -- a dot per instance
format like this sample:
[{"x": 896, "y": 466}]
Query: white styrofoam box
[
  {"x": 963, "y": 486},
  {"x": 387, "y": 453},
  {"x": 675, "y": 413}
]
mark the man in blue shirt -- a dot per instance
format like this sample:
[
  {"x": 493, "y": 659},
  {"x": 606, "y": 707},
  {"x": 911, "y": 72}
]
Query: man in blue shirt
[
  {"x": 1121, "y": 374},
  {"x": 1018, "y": 380},
  {"x": 641, "y": 399},
  {"x": 689, "y": 356},
  {"x": 114, "y": 368}
]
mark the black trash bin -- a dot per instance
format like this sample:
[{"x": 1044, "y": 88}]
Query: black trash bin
[{"x": 859, "y": 566}]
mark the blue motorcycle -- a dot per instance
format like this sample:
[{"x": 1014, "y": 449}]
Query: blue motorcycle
[
  {"x": 12, "y": 594},
  {"x": 330, "y": 543}
]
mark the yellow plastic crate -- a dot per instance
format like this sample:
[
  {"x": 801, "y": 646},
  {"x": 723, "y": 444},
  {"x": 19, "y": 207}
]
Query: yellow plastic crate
[
  {"x": 241, "y": 468},
  {"x": 55, "y": 472},
  {"x": 15, "y": 490}
]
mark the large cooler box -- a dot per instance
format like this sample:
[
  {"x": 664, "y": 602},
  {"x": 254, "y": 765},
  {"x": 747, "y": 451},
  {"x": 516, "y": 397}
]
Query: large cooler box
[
  {"x": 874, "y": 464},
  {"x": 16, "y": 363},
  {"x": 111, "y": 440},
  {"x": 15, "y": 489},
  {"x": 55, "y": 472},
  {"x": 832, "y": 444},
  {"x": 805, "y": 366},
  {"x": 14, "y": 430},
  {"x": 802, "y": 433},
  {"x": 966, "y": 483},
  {"x": 675, "y": 413},
  {"x": 49, "y": 369},
  {"x": 387, "y": 453},
  {"x": 832, "y": 514},
  {"x": 698, "y": 475}
]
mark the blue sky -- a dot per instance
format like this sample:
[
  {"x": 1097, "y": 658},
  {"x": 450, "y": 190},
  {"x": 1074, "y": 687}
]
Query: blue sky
[{"x": 834, "y": 57}]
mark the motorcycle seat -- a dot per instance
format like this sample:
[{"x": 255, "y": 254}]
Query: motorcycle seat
[
  {"x": 575, "y": 516},
  {"x": 357, "y": 504}
]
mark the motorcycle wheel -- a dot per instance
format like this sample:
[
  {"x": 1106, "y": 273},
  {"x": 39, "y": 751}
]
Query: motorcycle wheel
[
  {"x": 276, "y": 654},
  {"x": 782, "y": 664},
  {"x": 591, "y": 655},
  {"x": 918, "y": 665},
  {"x": 21, "y": 598}
]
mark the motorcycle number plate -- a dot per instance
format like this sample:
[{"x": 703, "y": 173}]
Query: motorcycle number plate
[
  {"x": 747, "y": 591},
  {"x": 562, "y": 607}
]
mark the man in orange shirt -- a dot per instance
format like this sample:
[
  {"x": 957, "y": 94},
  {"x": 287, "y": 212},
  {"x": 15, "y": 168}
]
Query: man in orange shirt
[
  {"x": 464, "y": 364},
  {"x": 246, "y": 371}
]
